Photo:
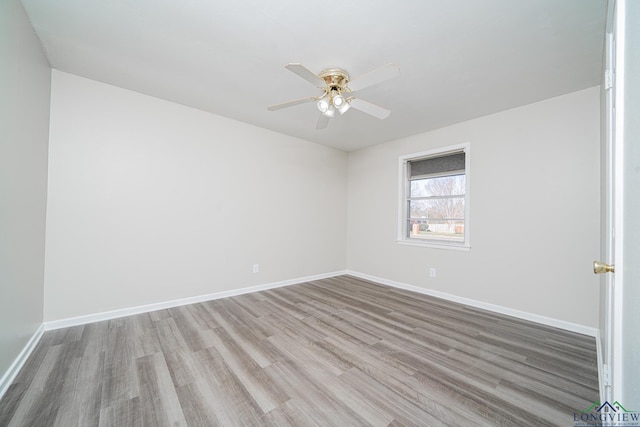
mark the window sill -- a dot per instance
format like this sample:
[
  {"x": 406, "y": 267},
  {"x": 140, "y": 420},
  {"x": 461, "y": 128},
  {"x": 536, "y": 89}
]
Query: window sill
[{"x": 436, "y": 245}]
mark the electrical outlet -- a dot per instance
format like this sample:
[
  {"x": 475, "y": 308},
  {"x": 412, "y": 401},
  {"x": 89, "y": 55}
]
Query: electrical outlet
[
  {"x": 256, "y": 268},
  {"x": 432, "y": 272}
]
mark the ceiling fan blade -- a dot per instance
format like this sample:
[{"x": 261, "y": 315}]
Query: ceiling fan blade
[
  {"x": 323, "y": 121},
  {"x": 291, "y": 103},
  {"x": 369, "y": 108},
  {"x": 306, "y": 74},
  {"x": 374, "y": 77}
]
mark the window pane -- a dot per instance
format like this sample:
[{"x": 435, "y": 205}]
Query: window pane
[
  {"x": 449, "y": 209},
  {"x": 436, "y": 218},
  {"x": 441, "y": 186},
  {"x": 436, "y": 229}
]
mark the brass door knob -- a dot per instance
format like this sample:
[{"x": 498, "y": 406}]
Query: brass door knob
[{"x": 600, "y": 267}]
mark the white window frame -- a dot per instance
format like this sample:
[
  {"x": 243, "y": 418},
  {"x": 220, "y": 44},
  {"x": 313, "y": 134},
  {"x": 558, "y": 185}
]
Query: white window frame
[{"x": 403, "y": 189}]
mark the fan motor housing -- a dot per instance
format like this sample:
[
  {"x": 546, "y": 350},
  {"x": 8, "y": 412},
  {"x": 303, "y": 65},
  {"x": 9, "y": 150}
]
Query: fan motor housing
[{"x": 336, "y": 78}]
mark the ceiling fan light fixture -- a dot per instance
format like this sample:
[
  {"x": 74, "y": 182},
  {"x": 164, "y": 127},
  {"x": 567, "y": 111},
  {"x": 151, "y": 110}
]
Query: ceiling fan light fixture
[
  {"x": 331, "y": 111},
  {"x": 323, "y": 105},
  {"x": 344, "y": 108},
  {"x": 339, "y": 101}
]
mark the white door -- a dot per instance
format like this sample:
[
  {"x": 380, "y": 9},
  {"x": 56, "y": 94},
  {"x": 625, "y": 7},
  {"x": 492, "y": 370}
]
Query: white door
[
  {"x": 626, "y": 315},
  {"x": 620, "y": 297},
  {"x": 607, "y": 252}
]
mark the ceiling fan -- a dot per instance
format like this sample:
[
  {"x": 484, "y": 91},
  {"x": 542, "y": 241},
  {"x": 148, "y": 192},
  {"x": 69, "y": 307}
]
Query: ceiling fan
[{"x": 339, "y": 92}]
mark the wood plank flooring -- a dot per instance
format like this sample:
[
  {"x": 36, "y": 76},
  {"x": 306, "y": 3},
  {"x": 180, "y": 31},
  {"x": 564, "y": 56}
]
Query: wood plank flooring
[{"x": 333, "y": 352}]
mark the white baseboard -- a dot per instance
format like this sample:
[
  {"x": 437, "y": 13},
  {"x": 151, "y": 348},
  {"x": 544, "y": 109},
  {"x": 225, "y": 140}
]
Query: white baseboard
[
  {"x": 123, "y": 312},
  {"x": 548, "y": 321},
  {"x": 114, "y": 314},
  {"x": 17, "y": 364}
]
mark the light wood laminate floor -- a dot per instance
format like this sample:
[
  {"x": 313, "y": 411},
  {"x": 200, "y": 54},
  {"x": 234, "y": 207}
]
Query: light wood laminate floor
[{"x": 333, "y": 352}]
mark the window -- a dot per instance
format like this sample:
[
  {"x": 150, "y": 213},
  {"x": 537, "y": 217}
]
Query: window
[{"x": 434, "y": 201}]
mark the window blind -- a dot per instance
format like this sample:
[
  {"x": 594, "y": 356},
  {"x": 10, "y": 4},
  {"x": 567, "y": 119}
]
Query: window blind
[{"x": 437, "y": 165}]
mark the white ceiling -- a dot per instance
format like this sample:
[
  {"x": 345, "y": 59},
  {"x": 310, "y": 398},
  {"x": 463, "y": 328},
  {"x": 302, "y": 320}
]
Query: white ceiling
[{"x": 459, "y": 59}]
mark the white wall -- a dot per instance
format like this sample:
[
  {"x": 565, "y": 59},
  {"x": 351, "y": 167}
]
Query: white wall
[
  {"x": 25, "y": 79},
  {"x": 151, "y": 201},
  {"x": 534, "y": 211}
]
